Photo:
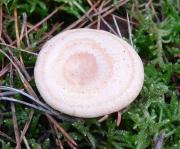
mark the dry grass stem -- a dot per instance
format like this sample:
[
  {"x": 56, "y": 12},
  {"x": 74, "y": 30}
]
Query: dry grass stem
[
  {"x": 20, "y": 49},
  {"x": 4, "y": 70},
  {"x": 32, "y": 93},
  {"x": 58, "y": 141},
  {"x": 129, "y": 30},
  {"x": 125, "y": 20},
  {"x": 26, "y": 143},
  {"x": 23, "y": 133},
  {"x": 49, "y": 34},
  {"x": 61, "y": 129},
  {"x": 103, "y": 118},
  {"x": 117, "y": 27},
  {"x": 39, "y": 24},
  {"x": 16, "y": 28},
  {"x": 2, "y": 134},
  {"x": 6, "y": 36},
  {"x": 73, "y": 25},
  {"x": 24, "y": 25},
  {"x": 118, "y": 121},
  {"x": 16, "y": 129}
]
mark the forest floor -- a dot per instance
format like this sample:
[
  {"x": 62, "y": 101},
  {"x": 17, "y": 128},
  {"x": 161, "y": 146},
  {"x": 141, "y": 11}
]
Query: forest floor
[{"x": 151, "y": 121}]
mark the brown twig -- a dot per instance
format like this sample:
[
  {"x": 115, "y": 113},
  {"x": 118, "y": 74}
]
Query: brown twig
[
  {"x": 73, "y": 25},
  {"x": 4, "y": 70},
  {"x": 109, "y": 12},
  {"x": 7, "y": 137},
  {"x": 16, "y": 28},
  {"x": 129, "y": 30},
  {"x": 39, "y": 23},
  {"x": 19, "y": 38},
  {"x": 108, "y": 25},
  {"x": 47, "y": 35},
  {"x": 61, "y": 130},
  {"x": 25, "y": 82},
  {"x": 125, "y": 20},
  {"x": 103, "y": 118},
  {"x": 100, "y": 9},
  {"x": 27, "y": 37},
  {"x": 32, "y": 93},
  {"x": 26, "y": 33},
  {"x": 121, "y": 3},
  {"x": 117, "y": 27},
  {"x": 58, "y": 141},
  {"x": 13, "y": 47},
  {"x": 56, "y": 135},
  {"x": 15, "y": 125},
  {"x": 71, "y": 145},
  {"x": 118, "y": 121},
  {"x": 101, "y": 18},
  {"x": 44, "y": 20},
  {"x": 6, "y": 36},
  {"x": 24, "y": 25},
  {"x": 90, "y": 3},
  {"x": 29, "y": 25},
  {"x": 97, "y": 13},
  {"x": 23, "y": 69},
  {"x": 25, "y": 127},
  {"x": 17, "y": 61},
  {"x": 149, "y": 2},
  {"x": 16, "y": 129},
  {"x": 26, "y": 143},
  {"x": 13, "y": 109}
]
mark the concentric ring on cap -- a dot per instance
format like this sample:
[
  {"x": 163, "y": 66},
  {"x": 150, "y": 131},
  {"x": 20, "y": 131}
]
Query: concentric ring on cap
[{"x": 88, "y": 73}]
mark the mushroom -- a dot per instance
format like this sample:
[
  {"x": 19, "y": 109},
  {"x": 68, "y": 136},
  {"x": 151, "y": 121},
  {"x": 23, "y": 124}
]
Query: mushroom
[{"x": 88, "y": 73}]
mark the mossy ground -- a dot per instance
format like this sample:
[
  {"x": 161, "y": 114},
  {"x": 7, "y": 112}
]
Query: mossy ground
[{"x": 152, "y": 121}]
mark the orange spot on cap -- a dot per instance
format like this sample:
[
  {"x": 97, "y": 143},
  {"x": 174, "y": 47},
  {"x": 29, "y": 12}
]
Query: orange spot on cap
[{"x": 80, "y": 69}]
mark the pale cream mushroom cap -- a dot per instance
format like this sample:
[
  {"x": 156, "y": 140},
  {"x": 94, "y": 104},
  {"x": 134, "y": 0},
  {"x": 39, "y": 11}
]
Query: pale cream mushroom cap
[{"x": 88, "y": 73}]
